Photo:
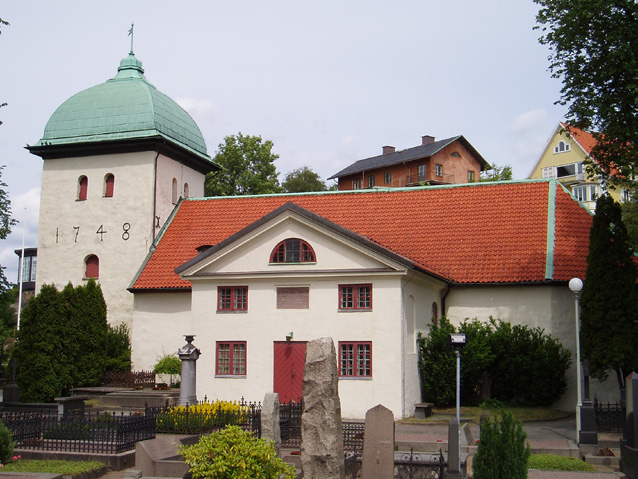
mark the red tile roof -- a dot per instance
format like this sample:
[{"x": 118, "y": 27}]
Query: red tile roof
[
  {"x": 478, "y": 233},
  {"x": 585, "y": 139}
]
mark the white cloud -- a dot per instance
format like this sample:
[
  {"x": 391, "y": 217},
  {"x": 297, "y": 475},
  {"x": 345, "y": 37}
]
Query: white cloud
[
  {"x": 530, "y": 120},
  {"x": 197, "y": 107}
]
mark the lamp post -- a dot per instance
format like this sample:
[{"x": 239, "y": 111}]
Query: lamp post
[
  {"x": 576, "y": 286},
  {"x": 457, "y": 341}
]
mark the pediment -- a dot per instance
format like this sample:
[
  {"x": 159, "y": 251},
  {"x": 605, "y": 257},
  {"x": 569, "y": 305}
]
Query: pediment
[{"x": 337, "y": 250}]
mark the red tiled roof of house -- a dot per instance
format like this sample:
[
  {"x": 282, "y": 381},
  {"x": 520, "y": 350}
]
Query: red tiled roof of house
[
  {"x": 585, "y": 139},
  {"x": 478, "y": 233}
]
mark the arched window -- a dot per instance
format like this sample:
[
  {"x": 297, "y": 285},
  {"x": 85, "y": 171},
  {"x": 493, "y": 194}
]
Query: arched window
[
  {"x": 109, "y": 184},
  {"x": 174, "y": 192},
  {"x": 186, "y": 195},
  {"x": 83, "y": 186},
  {"x": 293, "y": 250},
  {"x": 456, "y": 154},
  {"x": 92, "y": 267}
]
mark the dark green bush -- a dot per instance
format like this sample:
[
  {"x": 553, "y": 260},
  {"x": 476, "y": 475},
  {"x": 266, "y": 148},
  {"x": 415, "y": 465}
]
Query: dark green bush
[
  {"x": 502, "y": 452},
  {"x": 6, "y": 444},
  {"x": 513, "y": 364}
]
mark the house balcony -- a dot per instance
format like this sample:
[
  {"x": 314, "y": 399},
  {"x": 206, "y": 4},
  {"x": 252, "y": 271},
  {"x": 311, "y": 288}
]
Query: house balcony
[
  {"x": 430, "y": 177},
  {"x": 572, "y": 179}
]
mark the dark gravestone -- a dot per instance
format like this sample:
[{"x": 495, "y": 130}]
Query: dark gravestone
[
  {"x": 11, "y": 391},
  {"x": 378, "y": 444},
  {"x": 628, "y": 444}
]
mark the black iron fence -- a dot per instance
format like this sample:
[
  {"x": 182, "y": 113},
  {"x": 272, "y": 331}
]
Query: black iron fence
[
  {"x": 92, "y": 433},
  {"x": 610, "y": 417}
]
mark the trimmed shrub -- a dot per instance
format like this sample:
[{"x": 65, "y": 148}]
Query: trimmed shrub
[
  {"x": 6, "y": 444},
  {"x": 502, "y": 452},
  {"x": 201, "y": 418},
  {"x": 235, "y": 454}
]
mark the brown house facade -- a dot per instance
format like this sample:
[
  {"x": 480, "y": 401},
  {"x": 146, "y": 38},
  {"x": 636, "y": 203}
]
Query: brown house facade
[{"x": 450, "y": 161}]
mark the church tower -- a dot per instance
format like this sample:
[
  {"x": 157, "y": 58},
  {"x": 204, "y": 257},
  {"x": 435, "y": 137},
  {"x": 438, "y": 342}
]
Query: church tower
[{"x": 117, "y": 158}]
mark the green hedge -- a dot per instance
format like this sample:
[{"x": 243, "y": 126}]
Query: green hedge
[{"x": 516, "y": 364}]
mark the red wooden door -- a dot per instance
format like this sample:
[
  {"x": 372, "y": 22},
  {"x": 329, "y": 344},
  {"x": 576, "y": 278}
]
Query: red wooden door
[{"x": 288, "y": 366}]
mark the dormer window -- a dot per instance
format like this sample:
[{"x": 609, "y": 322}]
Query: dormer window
[
  {"x": 562, "y": 147},
  {"x": 293, "y": 250}
]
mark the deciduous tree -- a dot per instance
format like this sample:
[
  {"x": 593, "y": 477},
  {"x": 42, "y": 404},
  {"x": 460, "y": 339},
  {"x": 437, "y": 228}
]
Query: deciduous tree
[
  {"x": 609, "y": 333},
  {"x": 303, "y": 179},
  {"x": 593, "y": 50},
  {"x": 497, "y": 173},
  {"x": 248, "y": 168},
  {"x": 6, "y": 222}
]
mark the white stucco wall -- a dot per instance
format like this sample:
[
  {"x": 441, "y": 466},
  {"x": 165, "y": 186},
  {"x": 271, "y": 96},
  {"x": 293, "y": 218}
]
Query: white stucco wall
[
  {"x": 161, "y": 319},
  {"x": 549, "y": 307},
  {"x": 126, "y": 219},
  {"x": 167, "y": 169},
  {"x": 68, "y": 228}
]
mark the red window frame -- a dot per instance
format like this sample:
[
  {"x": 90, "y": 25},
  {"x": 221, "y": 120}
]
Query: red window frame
[
  {"x": 92, "y": 264},
  {"x": 232, "y": 298},
  {"x": 293, "y": 250},
  {"x": 109, "y": 184},
  {"x": 230, "y": 358},
  {"x": 83, "y": 187},
  {"x": 355, "y": 297},
  {"x": 355, "y": 359}
]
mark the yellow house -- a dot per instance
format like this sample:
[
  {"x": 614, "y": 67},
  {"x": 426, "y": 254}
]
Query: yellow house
[{"x": 563, "y": 158}]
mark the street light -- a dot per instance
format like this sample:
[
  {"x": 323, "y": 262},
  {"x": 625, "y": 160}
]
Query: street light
[
  {"x": 457, "y": 341},
  {"x": 576, "y": 286}
]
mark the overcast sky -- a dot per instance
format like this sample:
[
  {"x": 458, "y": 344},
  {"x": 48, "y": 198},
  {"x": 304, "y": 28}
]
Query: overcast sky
[{"x": 328, "y": 81}]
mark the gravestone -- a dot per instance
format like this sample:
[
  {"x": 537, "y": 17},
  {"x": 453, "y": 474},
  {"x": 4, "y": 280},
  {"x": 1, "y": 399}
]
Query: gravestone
[
  {"x": 270, "y": 420},
  {"x": 321, "y": 432},
  {"x": 629, "y": 441},
  {"x": 188, "y": 354},
  {"x": 11, "y": 391},
  {"x": 454, "y": 470},
  {"x": 378, "y": 444}
]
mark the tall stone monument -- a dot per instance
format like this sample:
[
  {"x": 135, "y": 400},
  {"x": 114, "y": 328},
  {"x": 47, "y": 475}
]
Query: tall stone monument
[
  {"x": 321, "y": 432},
  {"x": 270, "y": 429},
  {"x": 188, "y": 354}
]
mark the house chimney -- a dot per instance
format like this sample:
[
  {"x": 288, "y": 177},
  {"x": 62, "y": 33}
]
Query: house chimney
[
  {"x": 388, "y": 149},
  {"x": 427, "y": 139}
]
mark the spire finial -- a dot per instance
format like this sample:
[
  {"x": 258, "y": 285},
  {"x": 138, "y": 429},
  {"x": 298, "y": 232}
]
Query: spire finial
[{"x": 130, "y": 34}]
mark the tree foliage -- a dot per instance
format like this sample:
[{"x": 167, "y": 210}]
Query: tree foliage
[
  {"x": 63, "y": 342},
  {"x": 502, "y": 452},
  {"x": 514, "y": 364},
  {"x": 497, "y": 173},
  {"x": 303, "y": 179},
  {"x": 6, "y": 222},
  {"x": 247, "y": 168},
  {"x": 630, "y": 217},
  {"x": 609, "y": 332},
  {"x": 593, "y": 50}
]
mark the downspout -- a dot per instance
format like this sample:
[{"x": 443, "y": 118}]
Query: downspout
[
  {"x": 448, "y": 286},
  {"x": 154, "y": 199}
]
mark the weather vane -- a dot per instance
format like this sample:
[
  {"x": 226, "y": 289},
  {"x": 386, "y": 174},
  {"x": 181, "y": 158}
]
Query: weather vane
[{"x": 130, "y": 34}]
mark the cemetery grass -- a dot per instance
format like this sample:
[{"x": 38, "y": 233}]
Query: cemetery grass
[
  {"x": 473, "y": 414},
  {"x": 71, "y": 468}
]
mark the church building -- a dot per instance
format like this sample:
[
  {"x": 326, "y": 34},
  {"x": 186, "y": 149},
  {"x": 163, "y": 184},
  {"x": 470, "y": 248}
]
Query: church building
[{"x": 117, "y": 158}]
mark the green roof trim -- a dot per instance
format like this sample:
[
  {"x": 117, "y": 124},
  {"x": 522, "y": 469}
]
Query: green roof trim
[
  {"x": 551, "y": 230},
  {"x": 126, "y": 107}
]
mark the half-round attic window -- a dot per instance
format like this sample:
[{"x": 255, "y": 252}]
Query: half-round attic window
[
  {"x": 456, "y": 154},
  {"x": 293, "y": 250}
]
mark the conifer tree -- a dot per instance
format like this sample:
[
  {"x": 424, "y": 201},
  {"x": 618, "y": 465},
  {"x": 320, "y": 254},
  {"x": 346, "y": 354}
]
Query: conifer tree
[
  {"x": 609, "y": 333},
  {"x": 44, "y": 370}
]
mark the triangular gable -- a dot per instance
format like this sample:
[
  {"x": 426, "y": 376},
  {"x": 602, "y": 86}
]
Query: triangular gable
[{"x": 380, "y": 257}]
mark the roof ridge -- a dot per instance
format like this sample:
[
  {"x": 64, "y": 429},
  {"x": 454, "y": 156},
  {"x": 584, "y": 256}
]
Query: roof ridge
[{"x": 378, "y": 189}]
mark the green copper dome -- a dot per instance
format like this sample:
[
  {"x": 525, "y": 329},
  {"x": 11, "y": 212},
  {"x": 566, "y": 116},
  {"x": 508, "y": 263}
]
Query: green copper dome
[{"x": 126, "y": 107}]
